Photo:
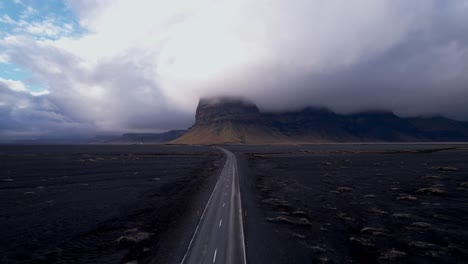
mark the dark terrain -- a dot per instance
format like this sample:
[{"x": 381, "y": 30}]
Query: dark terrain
[
  {"x": 330, "y": 203},
  {"x": 355, "y": 203},
  {"x": 102, "y": 204}
]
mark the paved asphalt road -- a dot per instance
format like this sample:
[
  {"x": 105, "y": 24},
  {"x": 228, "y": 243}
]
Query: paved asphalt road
[{"x": 219, "y": 236}]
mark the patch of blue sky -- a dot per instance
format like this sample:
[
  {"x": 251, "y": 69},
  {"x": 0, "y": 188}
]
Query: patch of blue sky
[
  {"x": 12, "y": 12},
  {"x": 29, "y": 17},
  {"x": 10, "y": 8},
  {"x": 35, "y": 88},
  {"x": 58, "y": 10},
  {"x": 8, "y": 11},
  {"x": 13, "y": 72}
]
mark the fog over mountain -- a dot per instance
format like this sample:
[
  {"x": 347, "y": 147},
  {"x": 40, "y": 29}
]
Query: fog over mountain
[{"x": 141, "y": 66}]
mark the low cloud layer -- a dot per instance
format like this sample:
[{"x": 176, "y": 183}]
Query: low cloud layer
[{"x": 143, "y": 65}]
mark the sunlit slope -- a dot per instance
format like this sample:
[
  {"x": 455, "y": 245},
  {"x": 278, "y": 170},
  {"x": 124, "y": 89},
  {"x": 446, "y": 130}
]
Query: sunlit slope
[
  {"x": 233, "y": 120},
  {"x": 231, "y": 132}
]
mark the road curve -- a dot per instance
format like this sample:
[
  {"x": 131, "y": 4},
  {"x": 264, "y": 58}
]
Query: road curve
[{"x": 219, "y": 235}]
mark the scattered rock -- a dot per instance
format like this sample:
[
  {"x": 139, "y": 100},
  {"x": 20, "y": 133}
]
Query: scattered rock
[
  {"x": 370, "y": 196},
  {"x": 393, "y": 254},
  {"x": 345, "y": 216},
  {"x": 132, "y": 237},
  {"x": 289, "y": 220},
  {"x": 406, "y": 197},
  {"x": 361, "y": 241},
  {"x": 328, "y": 206},
  {"x": 299, "y": 213},
  {"x": 421, "y": 225},
  {"x": 401, "y": 215},
  {"x": 300, "y": 236},
  {"x": 458, "y": 249},
  {"x": 445, "y": 168},
  {"x": 324, "y": 260},
  {"x": 433, "y": 254},
  {"x": 432, "y": 177},
  {"x": 378, "y": 211},
  {"x": 422, "y": 244},
  {"x": 318, "y": 249},
  {"x": 431, "y": 204},
  {"x": 344, "y": 189},
  {"x": 156, "y": 179},
  {"x": 374, "y": 231},
  {"x": 395, "y": 189},
  {"x": 431, "y": 191}
]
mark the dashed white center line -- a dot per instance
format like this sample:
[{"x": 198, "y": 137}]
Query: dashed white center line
[
  {"x": 220, "y": 222},
  {"x": 224, "y": 204},
  {"x": 225, "y": 194},
  {"x": 214, "y": 256}
]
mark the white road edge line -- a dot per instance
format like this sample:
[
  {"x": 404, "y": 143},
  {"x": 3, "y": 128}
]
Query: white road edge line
[
  {"x": 220, "y": 222},
  {"x": 214, "y": 256},
  {"x": 241, "y": 220},
  {"x": 224, "y": 204},
  {"x": 206, "y": 206},
  {"x": 201, "y": 218}
]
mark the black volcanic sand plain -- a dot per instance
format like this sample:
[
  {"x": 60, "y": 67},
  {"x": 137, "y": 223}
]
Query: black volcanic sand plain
[
  {"x": 350, "y": 203},
  {"x": 102, "y": 204}
]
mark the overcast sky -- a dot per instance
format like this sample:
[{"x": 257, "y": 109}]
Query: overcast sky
[{"x": 83, "y": 67}]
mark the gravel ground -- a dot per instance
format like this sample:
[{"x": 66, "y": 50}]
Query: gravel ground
[
  {"x": 102, "y": 204},
  {"x": 355, "y": 203}
]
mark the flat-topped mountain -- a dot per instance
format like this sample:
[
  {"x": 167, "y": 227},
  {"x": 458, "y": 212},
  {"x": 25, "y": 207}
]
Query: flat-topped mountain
[
  {"x": 234, "y": 120},
  {"x": 218, "y": 110}
]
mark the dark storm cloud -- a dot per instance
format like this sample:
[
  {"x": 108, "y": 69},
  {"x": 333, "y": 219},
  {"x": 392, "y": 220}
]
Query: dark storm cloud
[
  {"x": 112, "y": 96},
  {"x": 425, "y": 72},
  {"x": 24, "y": 115},
  {"x": 411, "y": 79}
]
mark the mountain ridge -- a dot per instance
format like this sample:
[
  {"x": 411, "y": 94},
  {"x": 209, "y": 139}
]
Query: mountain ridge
[{"x": 236, "y": 120}]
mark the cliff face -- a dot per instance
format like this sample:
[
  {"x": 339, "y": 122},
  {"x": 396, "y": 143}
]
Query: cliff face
[
  {"x": 231, "y": 120},
  {"x": 210, "y": 111}
]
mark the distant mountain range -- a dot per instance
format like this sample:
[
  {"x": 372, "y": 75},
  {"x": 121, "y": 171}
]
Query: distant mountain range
[
  {"x": 238, "y": 121},
  {"x": 148, "y": 137},
  {"x": 128, "y": 138},
  {"x": 139, "y": 138},
  {"x": 231, "y": 120}
]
